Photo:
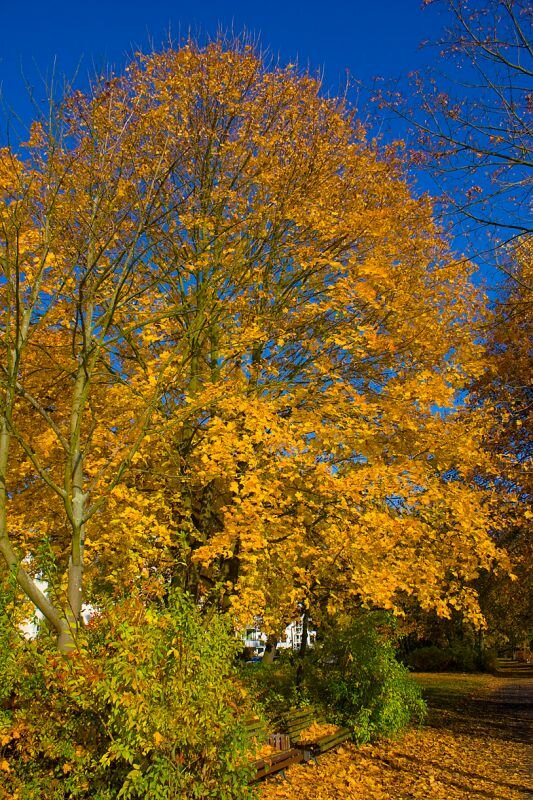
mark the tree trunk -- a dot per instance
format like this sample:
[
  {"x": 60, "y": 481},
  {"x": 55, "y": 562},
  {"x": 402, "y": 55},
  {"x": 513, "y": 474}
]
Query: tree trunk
[
  {"x": 305, "y": 630},
  {"x": 54, "y": 617},
  {"x": 302, "y": 652}
]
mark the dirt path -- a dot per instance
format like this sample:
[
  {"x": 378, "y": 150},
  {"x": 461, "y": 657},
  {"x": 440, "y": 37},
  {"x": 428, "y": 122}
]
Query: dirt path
[
  {"x": 500, "y": 707},
  {"x": 475, "y": 744}
]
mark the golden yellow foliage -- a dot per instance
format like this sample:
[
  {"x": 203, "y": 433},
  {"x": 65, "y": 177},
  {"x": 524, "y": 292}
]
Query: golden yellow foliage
[
  {"x": 260, "y": 751},
  {"x": 233, "y": 343},
  {"x": 316, "y": 731}
]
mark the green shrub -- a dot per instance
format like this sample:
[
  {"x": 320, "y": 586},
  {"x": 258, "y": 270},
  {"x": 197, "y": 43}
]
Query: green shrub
[
  {"x": 459, "y": 656},
  {"x": 273, "y": 686},
  {"x": 489, "y": 661},
  {"x": 148, "y": 708},
  {"x": 463, "y": 656},
  {"x": 358, "y": 679},
  {"x": 429, "y": 659}
]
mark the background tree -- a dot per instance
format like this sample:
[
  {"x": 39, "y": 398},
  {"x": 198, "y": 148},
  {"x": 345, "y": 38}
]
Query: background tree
[
  {"x": 506, "y": 392},
  {"x": 473, "y": 118}
]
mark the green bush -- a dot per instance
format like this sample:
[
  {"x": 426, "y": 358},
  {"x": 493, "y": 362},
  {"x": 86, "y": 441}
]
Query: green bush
[
  {"x": 459, "y": 656},
  {"x": 148, "y": 708},
  {"x": 428, "y": 659},
  {"x": 274, "y": 686},
  {"x": 489, "y": 661},
  {"x": 358, "y": 679}
]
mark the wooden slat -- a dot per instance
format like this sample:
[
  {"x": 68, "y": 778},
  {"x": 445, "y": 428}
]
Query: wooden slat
[
  {"x": 301, "y": 726},
  {"x": 280, "y": 741},
  {"x": 297, "y": 713},
  {"x": 296, "y": 721},
  {"x": 276, "y": 763},
  {"x": 329, "y": 742},
  {"x": 336, "y": 735},
  {"x": 256, "y": 727}
]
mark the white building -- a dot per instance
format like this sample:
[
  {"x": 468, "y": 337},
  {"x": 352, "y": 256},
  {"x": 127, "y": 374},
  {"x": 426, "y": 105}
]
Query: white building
[
  {"x": 293, "y": 636},
  {"x": 255, "y": 639}
]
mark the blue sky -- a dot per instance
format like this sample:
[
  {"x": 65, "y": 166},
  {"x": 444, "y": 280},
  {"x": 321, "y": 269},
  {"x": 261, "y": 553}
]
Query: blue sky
[{"x": 356, "y": 40}]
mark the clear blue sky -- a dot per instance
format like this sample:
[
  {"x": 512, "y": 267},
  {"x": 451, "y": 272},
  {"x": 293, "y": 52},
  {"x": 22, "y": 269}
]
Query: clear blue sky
[{"x": 359, "y": 38}]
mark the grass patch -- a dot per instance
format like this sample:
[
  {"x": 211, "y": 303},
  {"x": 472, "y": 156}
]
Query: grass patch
[{"x": 449, "y": 687}]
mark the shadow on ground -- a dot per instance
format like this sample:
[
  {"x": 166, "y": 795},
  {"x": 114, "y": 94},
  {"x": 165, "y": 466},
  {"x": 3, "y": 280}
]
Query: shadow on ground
[{"x": 506, "y": 713}]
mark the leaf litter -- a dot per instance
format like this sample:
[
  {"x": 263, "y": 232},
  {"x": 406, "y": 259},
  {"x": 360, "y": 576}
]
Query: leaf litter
[{"x": 477, "y": 747}]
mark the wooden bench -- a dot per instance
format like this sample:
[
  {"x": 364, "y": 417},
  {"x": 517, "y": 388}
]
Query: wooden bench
[
  {"x": 295, "y": 722},
  {"x": 283, "y": 754}
]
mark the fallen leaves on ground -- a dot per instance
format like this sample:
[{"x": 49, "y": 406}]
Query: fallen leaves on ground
[
  {"x": 422, "y": 765},
  {"x": 262, "y": 751},
  {"x": 458, "y": 683},
  {"x": 479, "y": 752},
  {"x": 316, "y": 731}
]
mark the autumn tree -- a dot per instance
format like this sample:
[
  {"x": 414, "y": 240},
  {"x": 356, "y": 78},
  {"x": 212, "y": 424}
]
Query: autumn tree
[
  {"x": 314, "y": 287},
  {"x": 74, "y": 220},
  {"x": 504, "y": 391},
  {"x": 472, "y": 117},
  {"x": 243, "y": 342}
]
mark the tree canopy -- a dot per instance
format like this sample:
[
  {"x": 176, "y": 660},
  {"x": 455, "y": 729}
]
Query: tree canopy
[{"x": 233, "y": 345}]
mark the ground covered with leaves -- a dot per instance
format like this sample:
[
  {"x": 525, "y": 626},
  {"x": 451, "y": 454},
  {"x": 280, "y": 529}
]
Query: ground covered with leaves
[{"x": 475, "y": 744}]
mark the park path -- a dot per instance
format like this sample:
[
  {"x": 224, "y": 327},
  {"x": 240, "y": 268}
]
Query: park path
[
  {"x": 510, "y": 705},
  {"x": 475, "y": 747}
]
